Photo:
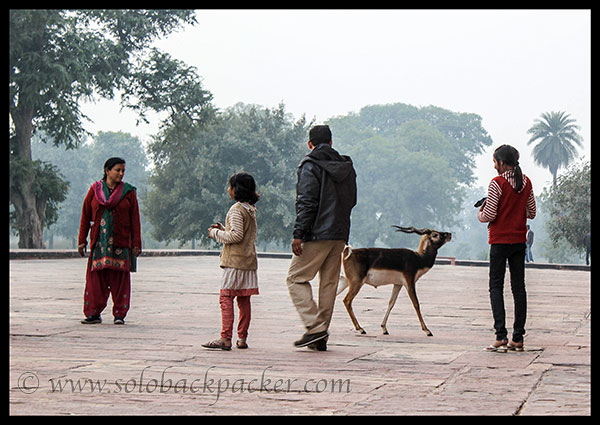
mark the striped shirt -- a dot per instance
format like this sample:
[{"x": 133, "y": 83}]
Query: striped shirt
[
  {"x": 236, "y": 232},
  {"x": 490, "y": 210}
]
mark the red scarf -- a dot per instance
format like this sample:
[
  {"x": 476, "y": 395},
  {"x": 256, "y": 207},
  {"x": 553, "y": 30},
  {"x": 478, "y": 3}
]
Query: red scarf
[{"x": 114, "y": 197}]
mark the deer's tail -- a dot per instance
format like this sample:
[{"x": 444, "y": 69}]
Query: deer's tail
[{"x": 343, "y": 282}]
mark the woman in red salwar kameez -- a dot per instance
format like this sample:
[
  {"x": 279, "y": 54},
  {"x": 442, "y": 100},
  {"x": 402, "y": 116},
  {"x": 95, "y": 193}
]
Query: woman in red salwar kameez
[{"x": 111, "y": 211}]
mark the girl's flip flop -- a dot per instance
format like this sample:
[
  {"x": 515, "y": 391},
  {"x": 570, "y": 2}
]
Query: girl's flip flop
[
  {"x": 502, "y": 348},
  {"x": 217, "y": 344},
  {"x": 513, "y": 347}
]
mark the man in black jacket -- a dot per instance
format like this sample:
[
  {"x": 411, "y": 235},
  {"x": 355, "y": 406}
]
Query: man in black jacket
[{"x": 325, "y": 196}]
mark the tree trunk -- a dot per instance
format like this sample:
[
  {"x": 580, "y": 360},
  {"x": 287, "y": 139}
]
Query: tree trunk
[
  {"x": 29, "y": 223},
  {"x": 22, "y": 195}
]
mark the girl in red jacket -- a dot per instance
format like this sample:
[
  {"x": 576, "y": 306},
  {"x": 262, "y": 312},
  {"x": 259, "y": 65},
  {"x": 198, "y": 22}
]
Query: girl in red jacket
[
  {"x": 509, "y": 204},
  {"x": 111, "y": 210}
]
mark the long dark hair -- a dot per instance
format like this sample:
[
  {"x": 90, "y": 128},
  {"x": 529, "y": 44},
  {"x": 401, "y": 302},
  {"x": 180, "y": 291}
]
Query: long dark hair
[
  {"x": 510, "y": 156},
  {"x": 244, "y": 188}
]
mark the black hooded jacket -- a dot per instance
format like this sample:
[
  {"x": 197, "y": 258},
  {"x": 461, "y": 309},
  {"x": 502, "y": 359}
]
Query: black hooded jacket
[{"x": 325, "y": 195}]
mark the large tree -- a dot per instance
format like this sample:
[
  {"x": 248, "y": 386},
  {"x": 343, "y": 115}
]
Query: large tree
[
  {"x": 191, "y": 170},
  {"x": 555, "y": 134},
  {"x": 58, "y": 58},
  {"x": 413, "y": 166}
]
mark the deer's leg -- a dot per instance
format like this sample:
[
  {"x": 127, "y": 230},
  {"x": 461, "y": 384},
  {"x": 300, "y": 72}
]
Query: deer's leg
[
  {"x": 395, "y": 292},
  {"x": 353, "y": 290},
  {"x": 412, "y": 294}
]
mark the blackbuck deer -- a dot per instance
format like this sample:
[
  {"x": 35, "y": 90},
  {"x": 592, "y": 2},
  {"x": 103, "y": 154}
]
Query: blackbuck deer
[{"x": 397, "y": 266}]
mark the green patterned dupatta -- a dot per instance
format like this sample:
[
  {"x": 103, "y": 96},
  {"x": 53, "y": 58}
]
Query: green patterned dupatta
[{"x": 104, "y": 253}]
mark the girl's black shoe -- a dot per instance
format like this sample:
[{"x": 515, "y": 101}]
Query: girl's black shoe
[{"x": 90, "y": 320}]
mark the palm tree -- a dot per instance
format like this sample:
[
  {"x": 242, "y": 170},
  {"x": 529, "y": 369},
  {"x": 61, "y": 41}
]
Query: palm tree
[{"x": 557, "y": 133}]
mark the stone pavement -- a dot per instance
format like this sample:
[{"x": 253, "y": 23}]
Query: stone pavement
[{"x": 155, "y": 365}]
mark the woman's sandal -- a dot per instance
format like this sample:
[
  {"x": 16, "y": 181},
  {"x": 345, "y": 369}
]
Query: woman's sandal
[
  {"x": 498, "y": 347},
  {"x": 217, "y": 344},
  {"x": 241, "y": 344},
  {"x": 515, "y": 346}
]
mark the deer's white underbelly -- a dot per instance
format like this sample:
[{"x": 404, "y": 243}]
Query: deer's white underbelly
[{"x": 379, "y": 277}]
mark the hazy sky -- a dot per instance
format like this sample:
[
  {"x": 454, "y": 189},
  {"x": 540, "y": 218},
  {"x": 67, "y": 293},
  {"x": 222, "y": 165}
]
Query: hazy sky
[{"x": 508, "y": 66}]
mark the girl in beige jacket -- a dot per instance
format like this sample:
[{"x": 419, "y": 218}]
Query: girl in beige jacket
[{"x": 238, "y": 260}]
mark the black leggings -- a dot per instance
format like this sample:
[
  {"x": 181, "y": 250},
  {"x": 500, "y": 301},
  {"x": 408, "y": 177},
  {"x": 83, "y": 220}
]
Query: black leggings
[{"x": 515, "y": 254}]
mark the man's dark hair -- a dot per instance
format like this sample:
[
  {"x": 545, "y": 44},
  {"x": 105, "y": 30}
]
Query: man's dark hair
[{"x": 319, "y": 134}]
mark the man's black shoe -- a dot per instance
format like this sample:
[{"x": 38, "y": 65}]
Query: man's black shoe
[
  {"x": 308, "y": 339},
  {"x": 320, "y": 345}
]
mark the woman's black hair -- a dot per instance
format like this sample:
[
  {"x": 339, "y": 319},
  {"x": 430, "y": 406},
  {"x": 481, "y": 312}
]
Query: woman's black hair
[
  {"x": 244, "y": 188},
  {"x": 110, "y": 163},
  {"x": 510, "y": 156}
]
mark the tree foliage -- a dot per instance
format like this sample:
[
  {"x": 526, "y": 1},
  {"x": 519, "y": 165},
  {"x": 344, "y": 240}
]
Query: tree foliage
[
  {"x": 556, "y": 134},
  {"x": 413, "y": 165},
  {"x": 191, "y": 171},
  {"x": 58, "y": 58},
  {"x": 569, "y": 204},
  {"x": 50, "y": 188},
  {"x": 160, "y": 83}
]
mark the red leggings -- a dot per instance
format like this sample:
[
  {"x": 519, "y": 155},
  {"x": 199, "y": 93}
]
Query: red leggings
[
  {"x": 102, "y": 283},
  {"x": 227, "y": 315}
]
